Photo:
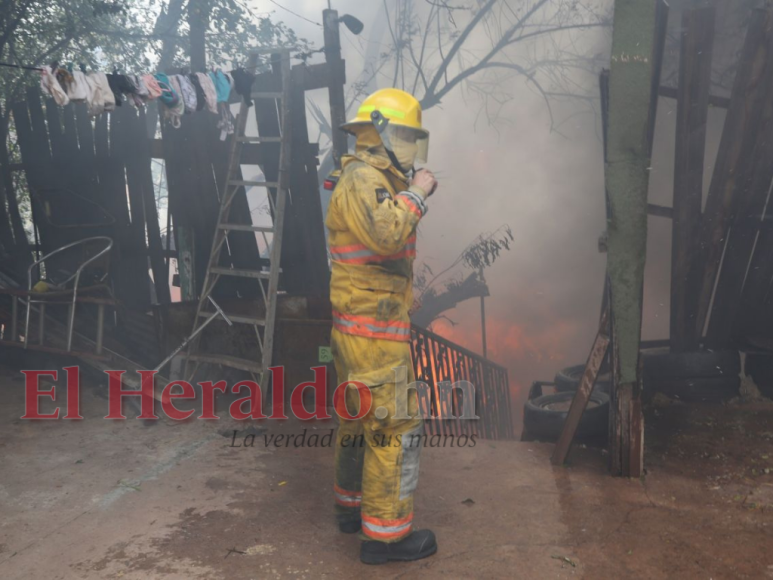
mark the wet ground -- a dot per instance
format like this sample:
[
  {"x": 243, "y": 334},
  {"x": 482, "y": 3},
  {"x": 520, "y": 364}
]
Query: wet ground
[{"x": 99, "y": 499}]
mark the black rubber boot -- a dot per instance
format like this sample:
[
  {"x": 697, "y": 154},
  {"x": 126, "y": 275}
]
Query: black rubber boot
[
  {"x": 418, "y": 545},
  {"x": 350, "y": 526}
]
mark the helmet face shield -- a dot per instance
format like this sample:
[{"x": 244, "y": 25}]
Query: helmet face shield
[
  {"x": 410, "y": 145},
  {"x": 422, "y": 143}
]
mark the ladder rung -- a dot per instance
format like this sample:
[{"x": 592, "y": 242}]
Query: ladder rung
[
  {"x": 266, "y": 95},
  {"x": 239, "y": 183},
  {"x": 240, "y": 273},
  {"x": 238, "y": 318},
  {"x": 245, "y": 139},
  {"x": 228, "y": 361},
  {"x": 245, "y": 228}
]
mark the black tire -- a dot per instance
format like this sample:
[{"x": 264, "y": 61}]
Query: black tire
[
  {"x": 697, "y": 390},
  {"x": 542, "y": 421},
  {"x": 691, "y": 365},
  {"x": 568, "y": 380}
]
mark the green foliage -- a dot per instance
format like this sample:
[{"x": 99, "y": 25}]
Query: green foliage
[{"x": 128, "y": 35}]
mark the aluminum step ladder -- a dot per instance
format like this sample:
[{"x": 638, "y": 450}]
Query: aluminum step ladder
[{"x": 267, "y": 280}]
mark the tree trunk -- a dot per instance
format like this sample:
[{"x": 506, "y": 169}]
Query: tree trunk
[
  {"x": 198, "y": 22},
  {"x": 167, "y": 25},
  {"x": 20, "y": 249}
]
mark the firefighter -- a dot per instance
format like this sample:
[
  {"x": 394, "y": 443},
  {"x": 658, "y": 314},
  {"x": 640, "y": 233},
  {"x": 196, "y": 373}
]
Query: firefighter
[{"x": 372, "y": 220}]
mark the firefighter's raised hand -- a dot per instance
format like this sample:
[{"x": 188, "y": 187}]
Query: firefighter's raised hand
[{"x": 425, "y": 179}]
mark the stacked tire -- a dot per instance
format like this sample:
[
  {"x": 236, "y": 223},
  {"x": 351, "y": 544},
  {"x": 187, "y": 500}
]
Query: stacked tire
[
  {"x": 694, "y": 377},
  {"x": 544, "y": 417},
  {"x": 568, "y": 380},
  {"x": 705, "y": 376}
]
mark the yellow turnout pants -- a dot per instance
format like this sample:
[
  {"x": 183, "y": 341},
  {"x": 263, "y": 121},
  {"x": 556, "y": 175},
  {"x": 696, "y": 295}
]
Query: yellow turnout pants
[{"x": 377, "y": 455}]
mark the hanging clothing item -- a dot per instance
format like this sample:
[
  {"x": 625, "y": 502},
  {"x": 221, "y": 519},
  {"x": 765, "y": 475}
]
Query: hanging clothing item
[
  {"x": 141, "y": 89},
  {"x": 243, "y": 84},
  {"x": 188, "y": 93},
  {"x": 154, "y": 89},
  {"x": 201, "y": 98},
  {"x": 210, "y": 94},
  {"x": 226, "y": 122},
  {"x": 64, "y": 77},
  {"x": 222, "y": 86},
  {"x": 78, "y": 89},
  {"x": 94, "y": 98},
  {"x": 51, "y": 87},
  {"x": 176, "y": 111},
  {"x": 105, "y": 91},
  {"x": 134, "y": 97},
  {"x": 114, "y": 84},
  {"x": 167, "y": 96}
]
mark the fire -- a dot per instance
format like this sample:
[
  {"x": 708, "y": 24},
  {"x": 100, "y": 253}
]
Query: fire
[{"x": 529, "y": 353}]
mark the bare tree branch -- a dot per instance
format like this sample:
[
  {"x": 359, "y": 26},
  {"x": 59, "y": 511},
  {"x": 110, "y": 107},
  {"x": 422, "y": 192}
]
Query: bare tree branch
[{"x": 459, "y": 42}]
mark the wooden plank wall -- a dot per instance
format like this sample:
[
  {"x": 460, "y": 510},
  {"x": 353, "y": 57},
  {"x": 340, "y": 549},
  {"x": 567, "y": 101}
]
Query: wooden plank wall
[
  {"x": 731, "y": 185},
  {"x": 82, "y": 171},
  {"x": 106, "y": 163},
  {"x": 731, "y": 263},
  {"x": 691, "y": 118},
  {"x": 196, "y": 162}
]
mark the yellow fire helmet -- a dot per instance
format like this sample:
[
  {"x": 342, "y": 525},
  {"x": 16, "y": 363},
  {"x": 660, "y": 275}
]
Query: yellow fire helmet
[{"x": 401, "y": 110}]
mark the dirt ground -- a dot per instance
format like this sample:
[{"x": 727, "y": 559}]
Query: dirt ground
[{"x": 100, "y": 499}]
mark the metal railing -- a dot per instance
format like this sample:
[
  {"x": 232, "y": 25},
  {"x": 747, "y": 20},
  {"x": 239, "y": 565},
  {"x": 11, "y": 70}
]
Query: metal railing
[{"x": 438, "y": 362}]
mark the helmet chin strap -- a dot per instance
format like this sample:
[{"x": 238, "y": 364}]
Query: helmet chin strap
[{"x": 380, "y": 122}]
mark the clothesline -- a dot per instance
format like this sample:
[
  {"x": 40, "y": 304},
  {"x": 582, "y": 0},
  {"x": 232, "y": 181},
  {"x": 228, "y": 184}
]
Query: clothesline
[
  {"x": 178, "y": 94},
  {"x": 8, "y": 64}
]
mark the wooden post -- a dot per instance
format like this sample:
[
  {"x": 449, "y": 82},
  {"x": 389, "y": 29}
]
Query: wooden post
[
  {"x": 627, "y": 180},
  {"x": 691, "y": 116},
  {"x": 584, "y": 390},
  {"x": 483, "y": 318},
  {"x": 332, "y": 35},
  {"x": 734, "y": 156}
]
